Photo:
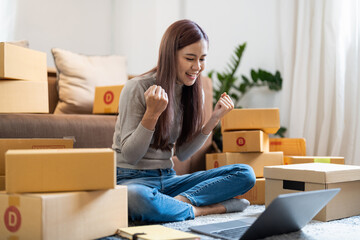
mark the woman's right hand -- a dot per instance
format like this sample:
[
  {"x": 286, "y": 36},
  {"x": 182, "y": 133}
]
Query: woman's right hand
[{"x": 156, "y": 100}]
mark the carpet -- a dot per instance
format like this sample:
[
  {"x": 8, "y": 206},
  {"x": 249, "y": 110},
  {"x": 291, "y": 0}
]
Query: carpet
[{"x": 345, "y": 229}]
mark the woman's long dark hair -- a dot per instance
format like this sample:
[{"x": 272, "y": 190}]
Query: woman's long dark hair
[{"x": 179, "y": 35}]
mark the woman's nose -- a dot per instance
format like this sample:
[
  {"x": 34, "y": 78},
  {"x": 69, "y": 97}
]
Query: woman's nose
[{"x": 196, "y": 66}]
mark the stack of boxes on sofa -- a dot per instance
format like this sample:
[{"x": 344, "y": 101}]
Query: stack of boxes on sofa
[
  {"x": 61, "y": 194},
  {"x": 246, "y": 140},
  {"x": 23, "y": 80}
]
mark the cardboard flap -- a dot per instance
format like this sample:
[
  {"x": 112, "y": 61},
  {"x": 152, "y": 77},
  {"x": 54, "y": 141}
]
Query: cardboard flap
[{"x": 314, "y": 172}]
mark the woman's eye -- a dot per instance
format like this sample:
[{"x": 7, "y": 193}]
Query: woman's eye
[
  {"x": 202, "y": 59},
  {"x": 189, "y": 59}
]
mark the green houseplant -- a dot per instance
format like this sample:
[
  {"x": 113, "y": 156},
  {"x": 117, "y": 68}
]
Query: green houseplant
[{"x": 227, "y": 81}]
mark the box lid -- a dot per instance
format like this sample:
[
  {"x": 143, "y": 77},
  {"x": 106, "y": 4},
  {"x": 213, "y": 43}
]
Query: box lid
[{"x": 314, "y": 172}]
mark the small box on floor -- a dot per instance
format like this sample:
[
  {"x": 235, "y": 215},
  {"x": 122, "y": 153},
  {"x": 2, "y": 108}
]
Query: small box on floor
[
  {"x": 256, "y": 160},
  {"x": 317, "y": 176},
  {"x": 106, "y": 99},
  {"x": 22, "y": 63},
  {"x": 312, "y": 159},
  {"x": 289, "y": 146},
  {"x": 67, "y": 215},
  {"x": 256, "y": 195},
  {"x": 30, "y": 143},
  {"x": 245, "y": 141},
  {"x": 53, "y": 170},
  {"x": 22, "y": 96},
  {"x": 265, "y": 119}
]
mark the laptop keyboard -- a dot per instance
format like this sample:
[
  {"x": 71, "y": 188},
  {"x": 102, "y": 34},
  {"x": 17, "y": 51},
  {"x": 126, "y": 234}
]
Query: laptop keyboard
[{"x": 232, "y": 233}]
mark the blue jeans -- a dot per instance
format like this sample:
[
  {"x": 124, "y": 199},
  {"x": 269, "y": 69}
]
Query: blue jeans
[{"x": 151, "y": 192}]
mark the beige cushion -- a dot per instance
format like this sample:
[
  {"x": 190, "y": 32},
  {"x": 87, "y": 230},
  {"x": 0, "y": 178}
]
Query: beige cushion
[{"x": 78, "y": 75}]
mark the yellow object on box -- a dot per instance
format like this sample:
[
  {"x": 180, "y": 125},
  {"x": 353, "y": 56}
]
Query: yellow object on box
[
  {"x": 2, "y": 183},
  {"x": 290, "y": 146},
  {"x": 245, "y": 141},
  {"x": 256, "y": 160},
  {"x": 30, "y": 143},
  {"x": 24, "y": 96},
  {"x": 317, "y": 176},
  {"x": 52, "y": 170},
  {"x": 256, "y": 195},
  {"x": 312, "y": 159},
  {"x": 68, "y": 215},
  {"x": 265, "y": 119},
  {"x": 106, "y": 99},
  {"x": 19, "y": 63}
]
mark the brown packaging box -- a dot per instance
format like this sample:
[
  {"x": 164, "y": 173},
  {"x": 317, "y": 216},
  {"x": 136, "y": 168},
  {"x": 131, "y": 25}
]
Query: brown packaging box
[
  {"x": 256, "y": 160},
  {"x": 312, "y": 159},
  {"x": 317, "y": 176},
  {"x": 19, "y": 63},
  {"x": 67, "y": 215},
  {"x": 245, "y": 141},
  {"x": 256, "y": 195},
  {"x": 53, "y": 170},
  {"x": 106, "y": 99},
  {"x": 289, "y": 146},
  {"x": 2, "y": 183},
  {"x": 30, "y": 143},
  {"x": 265, "y": 119},
  {"x": 24, "y": 96}
]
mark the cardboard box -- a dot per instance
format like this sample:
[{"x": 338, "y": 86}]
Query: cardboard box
[
  {"x": 2, "y": 183},
  {"x": 22, "y": 63},
  {"x": 52, "y": 170},
  {"x": 265, "y": 119},
  {"x": 24, "y": 96},
  {"x": 69, "y": 215},
  {"x": 256, "y": 160},
  {"x": 289, "y": 146},
  {"x": 317, "y": 176},
  {"x": 107, "y": 99},
  {"x": 245, "y": 141},
  {"x": 312, "y": 159},
  {"x": 256, "y": 195},
  {"x": 30, "y": 143}
]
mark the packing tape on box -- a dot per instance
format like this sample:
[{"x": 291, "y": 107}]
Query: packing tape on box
[
  {"x": 322, "y": 160},
  {"x": 14, "y": 201}
]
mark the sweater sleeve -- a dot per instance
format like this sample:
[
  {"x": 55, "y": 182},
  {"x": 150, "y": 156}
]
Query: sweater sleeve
[
  {"x": 186, "y": 150},
  {"x": 130, "y": 137}
]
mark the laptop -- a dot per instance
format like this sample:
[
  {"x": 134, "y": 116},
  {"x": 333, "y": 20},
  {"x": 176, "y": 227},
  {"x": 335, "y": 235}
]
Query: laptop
[{"x": 286, "y": 213}]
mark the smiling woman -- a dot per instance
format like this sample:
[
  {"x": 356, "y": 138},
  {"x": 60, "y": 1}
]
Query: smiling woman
[{"x": 161, "y": 113}]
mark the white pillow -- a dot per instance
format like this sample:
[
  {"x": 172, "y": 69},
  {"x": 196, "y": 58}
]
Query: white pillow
[{"x": 78, "y": 75}]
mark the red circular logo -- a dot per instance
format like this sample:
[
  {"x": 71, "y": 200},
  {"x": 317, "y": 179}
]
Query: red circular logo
[
  {"x": 12, "y": 219},
  {"x": 216, "y": 164},
  {"x": 108, "y": 97},
  {"x": 240, "y": 141}
]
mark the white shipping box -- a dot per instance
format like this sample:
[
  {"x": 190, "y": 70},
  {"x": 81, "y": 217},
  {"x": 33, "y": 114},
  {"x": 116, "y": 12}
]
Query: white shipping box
[
  {"x": 52, "y": 170},
  {"x": 68, "y": 215}
]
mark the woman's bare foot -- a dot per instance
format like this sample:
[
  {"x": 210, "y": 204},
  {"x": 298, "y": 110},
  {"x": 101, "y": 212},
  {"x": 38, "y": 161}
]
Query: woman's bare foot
[{"x": 203, "y": 210}]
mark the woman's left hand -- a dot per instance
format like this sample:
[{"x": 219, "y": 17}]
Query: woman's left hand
[{"x": 223, "y": 106}]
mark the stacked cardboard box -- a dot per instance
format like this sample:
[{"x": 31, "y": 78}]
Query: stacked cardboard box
[
  {"x": 106, "y": 99},
  {"x": 317, "y": 176},
  {"x": 61, "y": 194},
  {"x": 23, "y": 80},
  {"x": 246, "y": 140}
]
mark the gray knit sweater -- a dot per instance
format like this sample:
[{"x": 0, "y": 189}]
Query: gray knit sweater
[{"x": 132, "y": 141}]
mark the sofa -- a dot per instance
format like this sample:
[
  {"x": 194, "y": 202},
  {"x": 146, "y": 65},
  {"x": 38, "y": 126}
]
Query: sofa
[{"x": 88, "y": 130}]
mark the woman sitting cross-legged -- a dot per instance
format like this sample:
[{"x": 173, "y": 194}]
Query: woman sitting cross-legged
[{"x": 161, "y": 114}]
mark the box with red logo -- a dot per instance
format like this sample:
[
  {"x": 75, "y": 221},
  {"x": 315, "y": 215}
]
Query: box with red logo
[
  {"x": 66, "y": 215},
  {"x": 245, "y": 141},
  {"x": 106, "y": 99},
  {"x": 313, "y": 159},
  {"x": 53, "y": 170},
  {"x": 256, "y": 160},
  {"x": 317, "y": 176},
  {"x": 256, "y": 195},
  {"x": 265, "y": 119},
  {"x": 289, "y": 146}
]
